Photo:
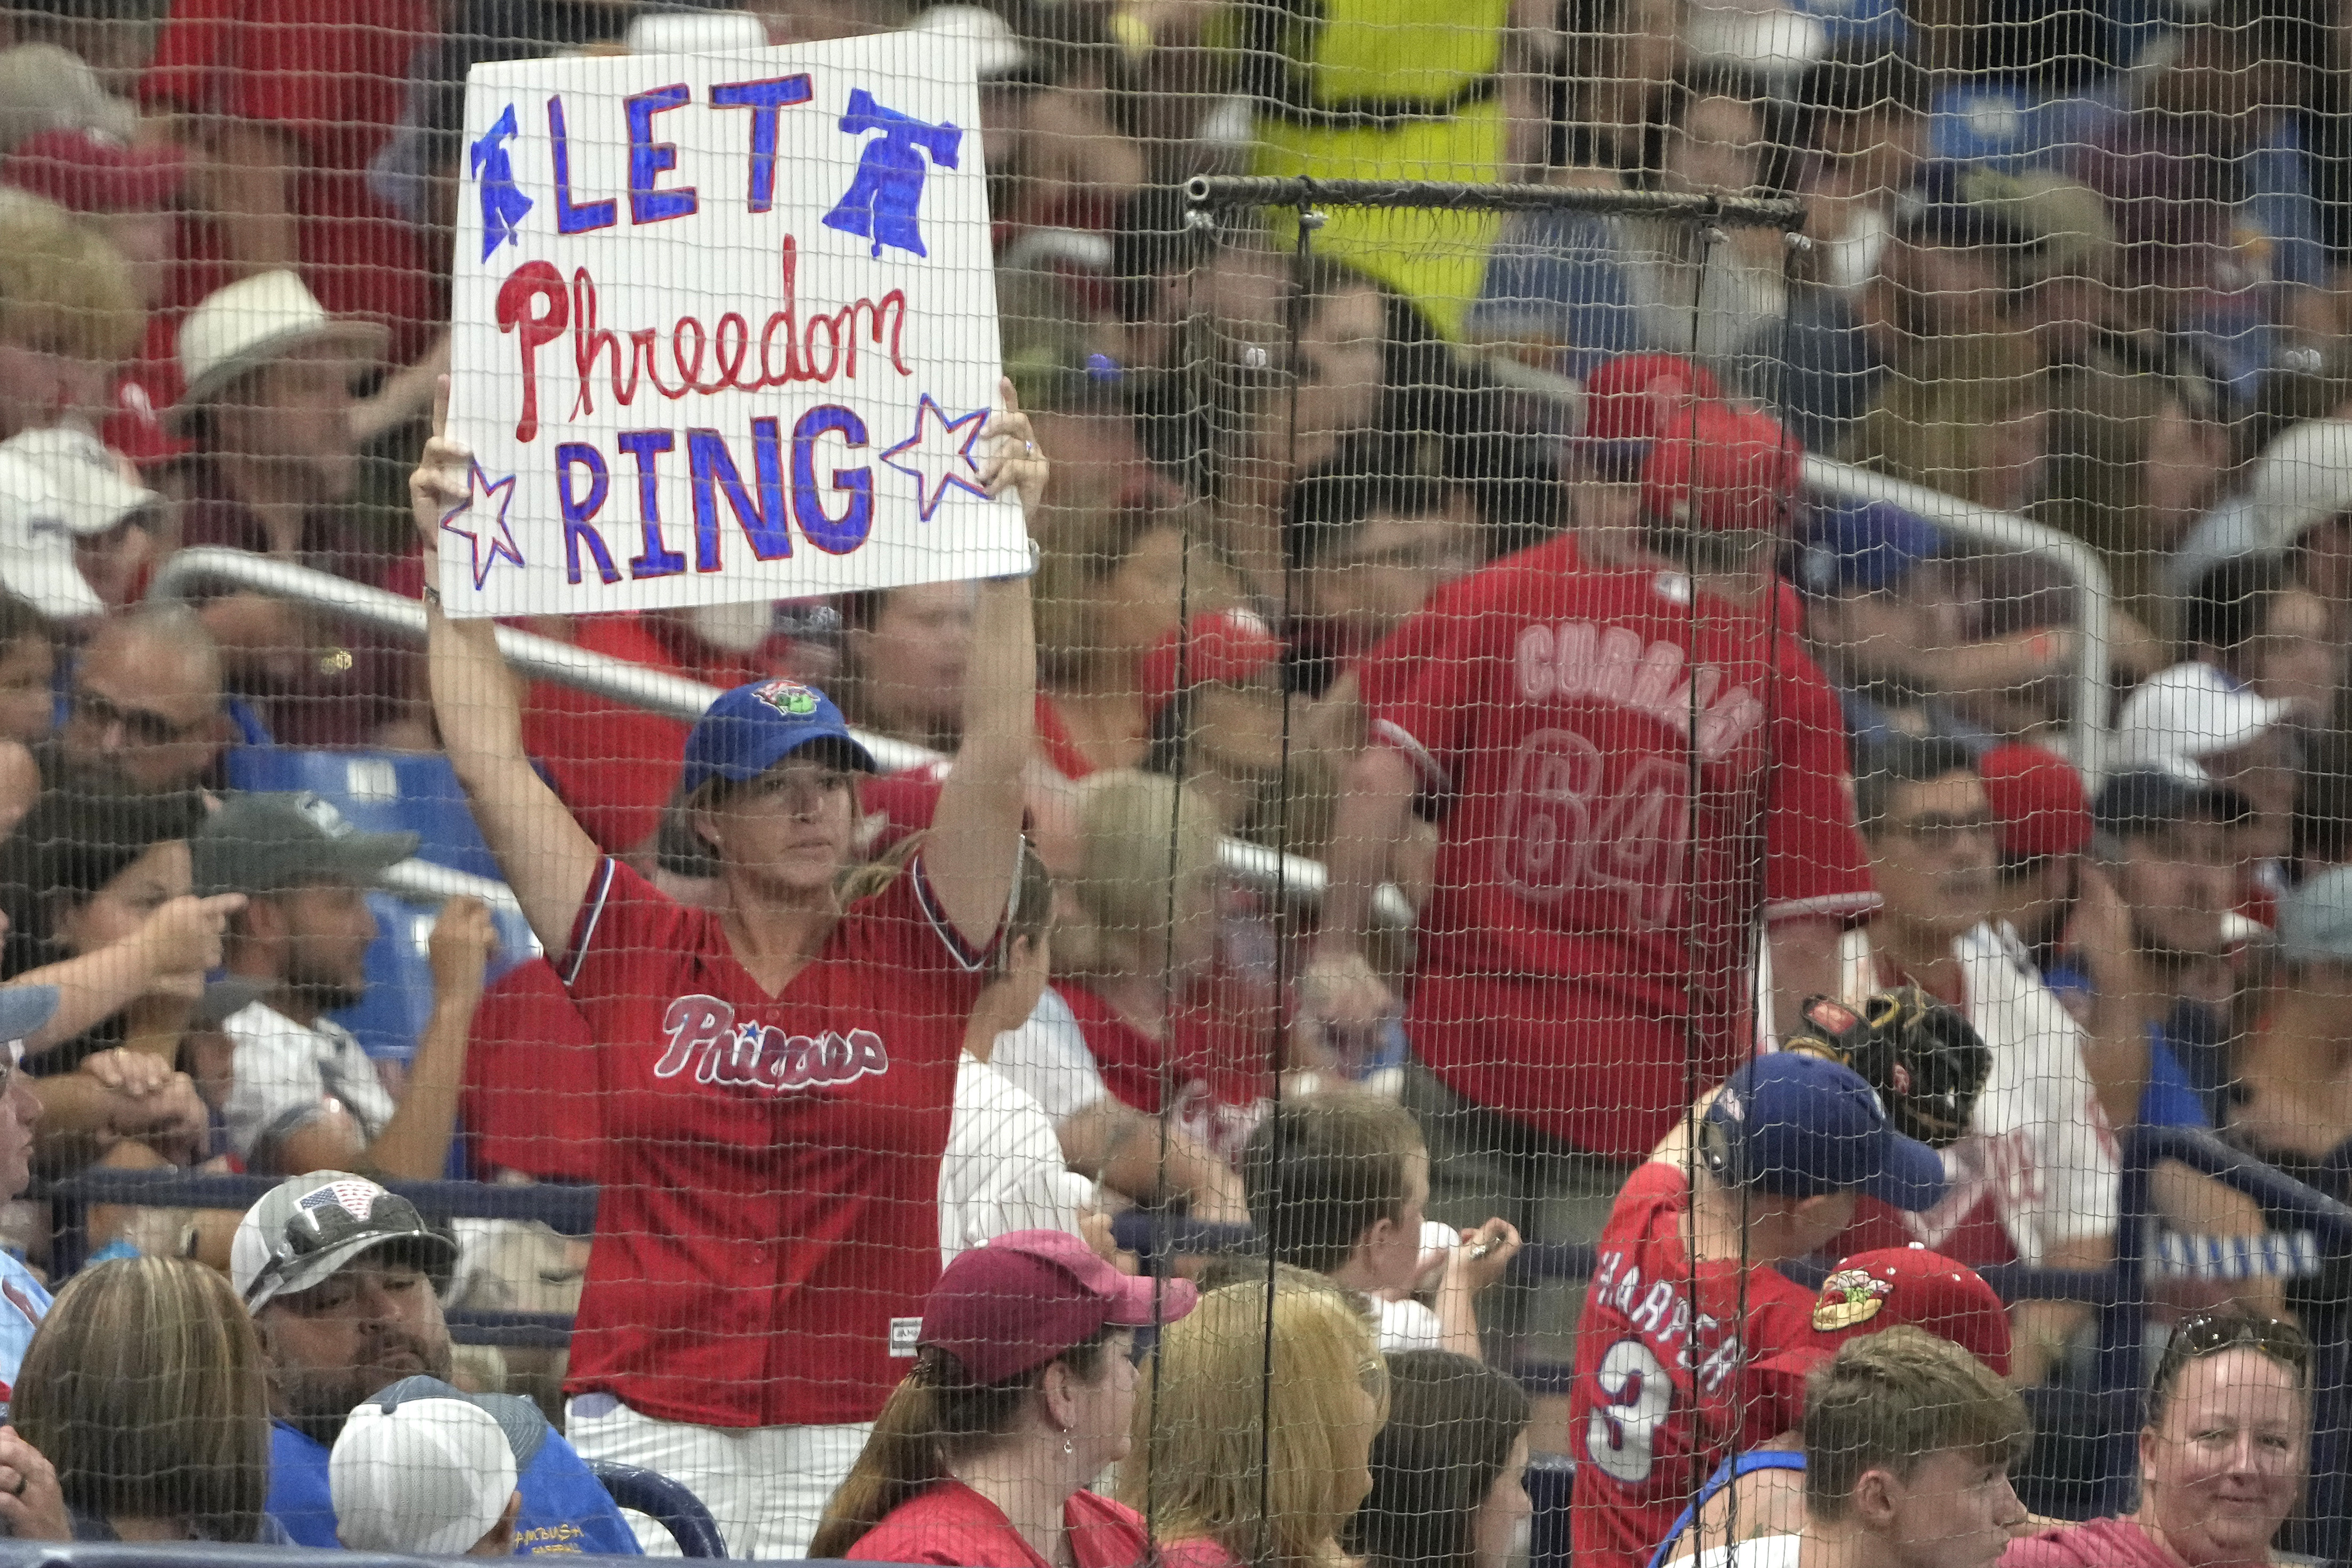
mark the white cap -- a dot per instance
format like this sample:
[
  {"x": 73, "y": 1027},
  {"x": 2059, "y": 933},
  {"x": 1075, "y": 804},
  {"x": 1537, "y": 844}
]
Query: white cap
[
  {"x": 2301, "y": 480},
  {"x": 2189, "y": 711},
  {"x": 251, "y": 322},
  {"x": 86, "y": 478},
  {"x": 427, "y": 1476},
  {"x": 696, "y": 33},
  {"x": 37, "y": 562},
  {"x": 992, "y": 46},
  {"x": 46, "y": 88}
]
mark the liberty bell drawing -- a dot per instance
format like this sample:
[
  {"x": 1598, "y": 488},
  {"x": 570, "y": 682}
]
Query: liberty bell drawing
[{"x": 881, "y": 201}]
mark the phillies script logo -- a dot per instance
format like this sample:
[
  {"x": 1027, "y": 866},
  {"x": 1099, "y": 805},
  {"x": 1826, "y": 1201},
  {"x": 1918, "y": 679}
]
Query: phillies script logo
[{"x": 702, "y": 1030}]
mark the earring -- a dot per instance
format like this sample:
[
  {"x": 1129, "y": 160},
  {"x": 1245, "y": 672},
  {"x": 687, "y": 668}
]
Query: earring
[{"x": 1068, "y": 1448}]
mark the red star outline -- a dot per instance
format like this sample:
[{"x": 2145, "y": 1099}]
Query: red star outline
[{"x": 501, "y": 542}]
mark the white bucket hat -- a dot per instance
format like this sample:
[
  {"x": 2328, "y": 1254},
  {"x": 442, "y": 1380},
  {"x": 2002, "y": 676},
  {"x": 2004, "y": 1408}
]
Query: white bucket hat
[
  {"x": 251, "y": 322},
  {"x": 85, "y": 479},
  {"x": 37, "y": 562}
]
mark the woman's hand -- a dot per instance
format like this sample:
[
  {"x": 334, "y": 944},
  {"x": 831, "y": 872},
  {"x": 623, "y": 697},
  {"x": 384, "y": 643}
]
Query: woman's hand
[
  {"x": 1016, "y": 463},
  {"x": 438, "y": 481},
  {"x": 31, "y": 1505}
]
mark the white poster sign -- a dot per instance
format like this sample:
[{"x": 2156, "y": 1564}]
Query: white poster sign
[{"x": 724, "y": 330}]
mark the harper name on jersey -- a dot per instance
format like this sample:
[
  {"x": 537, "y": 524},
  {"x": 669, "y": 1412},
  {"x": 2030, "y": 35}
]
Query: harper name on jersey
[{"x": 1663, "y": 1315}]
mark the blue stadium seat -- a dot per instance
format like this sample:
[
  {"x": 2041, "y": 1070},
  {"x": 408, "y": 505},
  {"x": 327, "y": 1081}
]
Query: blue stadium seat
[
  {"x": 666, "y": 1503},
  {"x": 381, "y": 792}
]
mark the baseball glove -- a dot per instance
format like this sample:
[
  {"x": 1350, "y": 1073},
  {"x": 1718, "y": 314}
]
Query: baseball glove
[{"x": 1925, "y": 1060}]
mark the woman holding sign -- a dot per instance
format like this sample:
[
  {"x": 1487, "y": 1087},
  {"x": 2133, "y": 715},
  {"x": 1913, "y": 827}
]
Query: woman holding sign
[{"x": 775, "y": 1071}]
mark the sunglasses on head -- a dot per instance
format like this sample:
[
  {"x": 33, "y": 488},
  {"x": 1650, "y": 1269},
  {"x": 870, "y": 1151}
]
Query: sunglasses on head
[{"x": 2203, "y": 1334}]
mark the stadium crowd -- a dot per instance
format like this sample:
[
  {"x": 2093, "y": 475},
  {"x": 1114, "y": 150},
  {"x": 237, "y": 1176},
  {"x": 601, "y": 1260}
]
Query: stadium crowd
[{"x": 1774, "y": 900}]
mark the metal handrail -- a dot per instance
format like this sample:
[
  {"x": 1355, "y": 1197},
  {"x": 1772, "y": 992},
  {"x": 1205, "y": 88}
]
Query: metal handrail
[
  {"x": 2088, "y": 736},
  {"x": 672, "y": 696}
]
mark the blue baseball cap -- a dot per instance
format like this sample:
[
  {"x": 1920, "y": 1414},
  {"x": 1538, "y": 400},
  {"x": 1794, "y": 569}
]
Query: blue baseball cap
[
  {"x": 25, "y": 1008},
  {"x": 753, "y": 728},
  {"x": 1799, "y": 1126},
  {"x": 1863, "y": 548}
]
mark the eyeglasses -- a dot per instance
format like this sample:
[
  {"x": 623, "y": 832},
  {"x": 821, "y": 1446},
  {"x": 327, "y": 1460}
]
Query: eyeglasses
[
  {"x": 1934, "y": 829},
  {"x": 141, "y": 726},
  {"x": 2205, "y": 1335}
]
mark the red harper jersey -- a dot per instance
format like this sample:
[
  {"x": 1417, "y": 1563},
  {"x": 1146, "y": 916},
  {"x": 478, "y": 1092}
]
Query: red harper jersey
[
  {"x": 770, "y": 1165},
  {"x": 1583, "y": 895},
  {"x": 1665, "y": 1389}
]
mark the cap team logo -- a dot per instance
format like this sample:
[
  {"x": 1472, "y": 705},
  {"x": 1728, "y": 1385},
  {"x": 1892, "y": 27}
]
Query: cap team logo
[
  {"x": 1848, "y": 1297},
  {"x": 356, "y": 1199},
  {"x": 789, "y": 698}
]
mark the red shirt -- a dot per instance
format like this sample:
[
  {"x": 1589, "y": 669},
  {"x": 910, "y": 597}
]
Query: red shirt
[
  {"x": 1214, "y": 1060},
  {"x": 531, "y": 1076},
  {"x": 770, "y": 1165},
  {"x": 1055, "y": 741},
  {"x": 1576, "y": 910},
  {"x": 1665, "y": 1389},
  {"x": 615, "y": 766},
  {"x": 332, "y": 76},
  {"x": 951, "y": 1523},
  {"x": 2099, "y": 1543}
]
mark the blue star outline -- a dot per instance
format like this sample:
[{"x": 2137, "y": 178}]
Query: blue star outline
[
  {"x": 927, "y": 494},
  {"x": 498, "y": 540}
]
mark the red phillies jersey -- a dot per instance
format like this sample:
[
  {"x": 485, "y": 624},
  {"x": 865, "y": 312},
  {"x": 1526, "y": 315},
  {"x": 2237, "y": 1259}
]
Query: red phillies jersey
[
  {"x": 770, "y": 1166},
  {"x": 1664, "y": 1387},
  {"x": 1592, "y": 917}
]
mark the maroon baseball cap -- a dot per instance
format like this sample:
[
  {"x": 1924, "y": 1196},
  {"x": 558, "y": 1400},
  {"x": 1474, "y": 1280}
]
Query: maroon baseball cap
[
  {"x": 2039, "y": 800},
  {"x": 1871, "y": 1293},
  {"x": 91, "y": 171},
  {"x": 1014, "y": 1303},
  {"x": 1229, "y": 646},
  {"x": 1730, "y": 468}
]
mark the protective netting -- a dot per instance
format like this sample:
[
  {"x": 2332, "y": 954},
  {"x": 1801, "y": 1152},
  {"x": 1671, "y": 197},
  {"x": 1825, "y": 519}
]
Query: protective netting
[{"x": 1653, "y": 864}]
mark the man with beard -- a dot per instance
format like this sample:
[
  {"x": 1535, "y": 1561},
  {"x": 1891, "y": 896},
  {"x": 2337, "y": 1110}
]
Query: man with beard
[
  {"x": 304, "y": 1096},
  {"x": 338, "y": 1274}
]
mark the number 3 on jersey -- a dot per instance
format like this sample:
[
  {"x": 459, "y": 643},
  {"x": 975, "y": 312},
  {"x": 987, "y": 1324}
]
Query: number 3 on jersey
[{"x": 1635, "y": 1394}]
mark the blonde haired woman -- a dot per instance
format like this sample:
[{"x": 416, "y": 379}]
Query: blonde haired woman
[
  {"x": 1253, "y": 1454},
  {"x": 1135, "y": 956},
  {"x": 145, "y": 1389}
]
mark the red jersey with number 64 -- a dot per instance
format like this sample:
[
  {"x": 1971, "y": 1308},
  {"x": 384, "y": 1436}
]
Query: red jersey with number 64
[
  {"x": 1663, "y": 1388},
  {"x": 1632, "y": 777}
]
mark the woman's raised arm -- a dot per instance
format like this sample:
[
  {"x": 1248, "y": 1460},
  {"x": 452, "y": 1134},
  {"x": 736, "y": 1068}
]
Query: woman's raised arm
[
  {"x": 547, "y": 857},
  {"x": 972, "y": 853}
]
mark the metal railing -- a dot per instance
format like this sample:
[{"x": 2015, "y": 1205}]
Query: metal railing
[
  {"x": 675, "y": 697},
  {"x": 2007, "y": 533}
]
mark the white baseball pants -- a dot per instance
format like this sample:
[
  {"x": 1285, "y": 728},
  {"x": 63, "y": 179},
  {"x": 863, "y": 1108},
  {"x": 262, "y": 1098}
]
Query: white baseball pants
[{"x": 766, "y": 1486}]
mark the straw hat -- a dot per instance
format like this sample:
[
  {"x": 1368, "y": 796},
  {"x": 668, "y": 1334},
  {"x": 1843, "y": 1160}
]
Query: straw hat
[{"x": 250, "y": 323}]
